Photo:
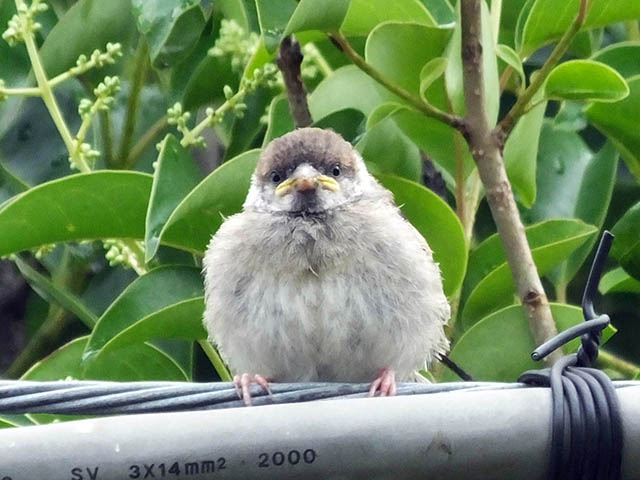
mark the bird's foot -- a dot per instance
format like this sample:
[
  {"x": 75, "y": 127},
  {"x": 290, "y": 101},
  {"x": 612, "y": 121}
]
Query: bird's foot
[
  {"x": 242, "y": 383},
  {"x": 385, "y": 384}
]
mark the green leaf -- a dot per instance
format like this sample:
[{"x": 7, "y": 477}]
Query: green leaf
[
  {"x": 259, "y": 58},
  {"x": 57, "y": 294},
  {"x": 9, "y": 422},
  {"x": 347, "y": 87},
  {"x": 86, "y": 26},
  {"x": 31, "y": 149},
  {"x": 201, "y": 213},
  {"x": 549, "y": 19},
  {"x": 156, "y": 290},
  {"x": 364, "y": 15},
  {"x": 104, "y": 204},
  {"x": 243, "y": 12},
  {"x": 16, "y": 60},
  {"x": 171, "y": 29},
  {"x": 246, "y": 131},
  {"x": 498, "y": 347},
  {"x": 510, "y": 13},
  {"x": 570, "y": 117},
  {"x": 525, "y": 10},
  {"x": 441, "y": 10},
  {"x": 617, "y": 281},
  {"x": 311, "y": 16},
  {"x": 453, "y": 74},
  {"x": 580, "y": 188},
  {"x": 521, "y": 151},
  {"x": 175, "y": 176},
  {"x": 182, "y": 319},
  {"x": 509, "y": 56},
  {"x": 585, "y": 80},
  {"x": 280, "y": 121},
  {"x": 441, "y": 143},
  {"x": 437, "y": 223},
  {"x": 135, "y": 363},
  {"x": 386, "y": 149},
  {"x": 623, "y": 57},
  {"x": 348, "y": 122},
  {"x": 489, "y": 284},
  {"x": 207, "y": 81},
  {"x": 592, "y": 204},
  {"x": 433, "y": 69},
  {"x": 626, "y": 246},
  {"x": 386, "y": 40},
  {"x": 273, "y": 18},
  {"x": 613, "y": 121}
]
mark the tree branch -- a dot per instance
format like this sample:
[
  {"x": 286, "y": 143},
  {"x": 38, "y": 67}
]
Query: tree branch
[
  {"x": 424, "y": 107},
  {"x": 520, "y": 107},
  {"x": 289, "y": 61},
  {"x": 485, "y": 148}
]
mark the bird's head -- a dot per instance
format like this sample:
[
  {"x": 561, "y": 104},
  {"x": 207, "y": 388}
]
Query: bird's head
[{"x": 306, "y": 172}]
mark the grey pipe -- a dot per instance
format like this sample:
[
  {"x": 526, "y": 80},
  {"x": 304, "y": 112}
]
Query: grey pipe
[{"x": 473, "y": 434}]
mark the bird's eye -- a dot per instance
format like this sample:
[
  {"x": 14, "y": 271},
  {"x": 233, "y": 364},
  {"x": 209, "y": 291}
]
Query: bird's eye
[
  {"x": 336, "y": 170},
  {"x": 275, "y": 177}
]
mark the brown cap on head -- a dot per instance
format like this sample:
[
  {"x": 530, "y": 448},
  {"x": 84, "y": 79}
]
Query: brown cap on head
[{"x": 320, "y": 148}]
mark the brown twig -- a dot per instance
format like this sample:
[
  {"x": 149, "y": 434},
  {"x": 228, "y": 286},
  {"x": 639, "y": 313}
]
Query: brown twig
[
  {"x": 520, "y": 107},
  {"x": 289, "y": 61},
  {"x": 485, "y": 148},
  {"x": 426, "y": 108}
]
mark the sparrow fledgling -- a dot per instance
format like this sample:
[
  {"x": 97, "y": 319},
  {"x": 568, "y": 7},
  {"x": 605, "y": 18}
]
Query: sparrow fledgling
[{"x": 320, "y": 278}]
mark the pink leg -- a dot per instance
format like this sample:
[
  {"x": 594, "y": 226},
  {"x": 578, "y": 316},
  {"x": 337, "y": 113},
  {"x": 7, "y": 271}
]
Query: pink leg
[
  {"x": 385, "y": 384},
  {"x": 242, "y": 383}
]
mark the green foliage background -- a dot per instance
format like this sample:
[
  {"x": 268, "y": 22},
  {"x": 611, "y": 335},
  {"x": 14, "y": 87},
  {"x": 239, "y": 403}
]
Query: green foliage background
[{"x": 156, "y": 208}]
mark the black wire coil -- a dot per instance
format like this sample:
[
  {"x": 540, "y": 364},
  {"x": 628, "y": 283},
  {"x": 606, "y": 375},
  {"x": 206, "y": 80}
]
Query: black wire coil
[{"x": 586, "y": 424}]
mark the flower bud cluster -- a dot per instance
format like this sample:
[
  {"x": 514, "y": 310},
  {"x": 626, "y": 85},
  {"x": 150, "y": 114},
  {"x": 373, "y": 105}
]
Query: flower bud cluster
[
  {"x": 97, "y": 59},
  {"x": 23, "y": 23},
  {"x": 118, "y": 253},
  {"x": 234, "y": 42}
]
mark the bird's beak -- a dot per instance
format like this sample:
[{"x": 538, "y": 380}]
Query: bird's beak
[{"x": 305, "y": 184}]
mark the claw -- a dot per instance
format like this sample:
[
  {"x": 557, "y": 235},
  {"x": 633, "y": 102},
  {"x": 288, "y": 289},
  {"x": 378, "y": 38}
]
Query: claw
[
  {"x": 385, "y": 384},
  {"x": 242, "y": 383}
]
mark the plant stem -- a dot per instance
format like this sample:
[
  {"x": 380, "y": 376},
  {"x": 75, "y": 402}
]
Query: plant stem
[
  {"x": 55, "y": 293},
  {"x": 190, "y": 136},
  {"x": 107, "y": 137},
  {"x": 216, "y": 361},
  {"x": 144, "y": 141},
  {"x": 509, "y": 120},
  {"x": 43, "y": 341},
  {"x": 289, "y": 61},
  {"x": 628, "y": 369},
  {"x": 46, "y": 91},
  {"x": 137, "y": 82},
  {"x": 486, "y": 151},
  {"x": 424, "y": 107},
  {"x": 24, "y": 91},
  {"x": 71, "y": 275}
]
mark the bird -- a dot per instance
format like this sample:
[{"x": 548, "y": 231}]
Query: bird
[{"x": 320, "y": 277}]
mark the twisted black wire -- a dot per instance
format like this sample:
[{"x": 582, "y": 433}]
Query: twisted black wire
[
  {"x": 110, "y": 398},
  {"x": 586, "y": 395}
]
